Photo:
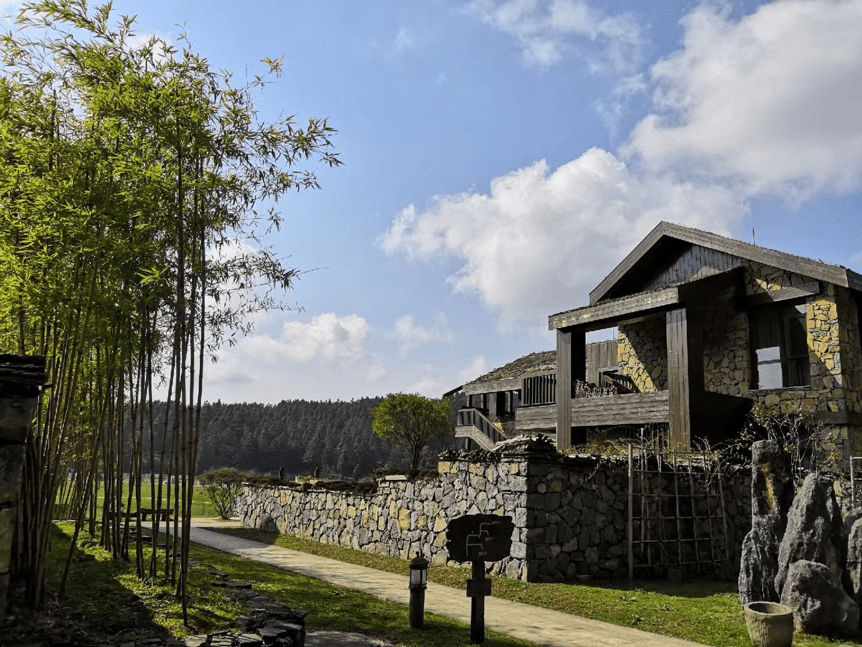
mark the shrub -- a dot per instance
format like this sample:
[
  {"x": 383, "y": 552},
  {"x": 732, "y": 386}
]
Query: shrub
[{"x": 223, "y": 486}]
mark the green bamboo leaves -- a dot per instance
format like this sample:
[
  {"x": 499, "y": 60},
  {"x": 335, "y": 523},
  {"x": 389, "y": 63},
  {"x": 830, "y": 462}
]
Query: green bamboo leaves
[{"x": 128, "y": 171}]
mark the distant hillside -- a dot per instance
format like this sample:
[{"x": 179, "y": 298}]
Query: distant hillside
[{"x": 299, "y": 435}]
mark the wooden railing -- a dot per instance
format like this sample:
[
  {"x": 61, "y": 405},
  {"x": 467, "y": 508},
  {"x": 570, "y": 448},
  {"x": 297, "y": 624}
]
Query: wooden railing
[
  {"x": 539, "y": 389},
  {"x": 474, "y": 418}
]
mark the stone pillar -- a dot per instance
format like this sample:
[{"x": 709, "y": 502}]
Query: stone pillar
[{"x": 21, "y": 380}]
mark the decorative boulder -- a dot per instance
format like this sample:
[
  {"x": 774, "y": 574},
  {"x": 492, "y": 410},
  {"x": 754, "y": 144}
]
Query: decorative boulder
[
  {"x": 771, "y": 496},
  {"x": 758, "y": 566},
  {"x": 771, "y": 485},
  {"x": 819, "y": 602},
  {"x": 815, "y": 531},
  {"x": 854, "y": 561}
]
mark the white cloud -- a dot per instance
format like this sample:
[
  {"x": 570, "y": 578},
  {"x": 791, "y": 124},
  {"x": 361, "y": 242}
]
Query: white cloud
[
  {"x": 477, "y": 367},
  {"x": 410, "y": 335},
  {"x": 612, "y": 108},
  {"x": 404, "y": 41},
  {"x": 326, "y": 336},
  {"x": 10, "y": 8},
  {"x": 544, "y": 30},
  {"x": 159, "y": 45},
  {"x": 771, "y": 100},
  {"x": 541, "y": 239},
  {"x": 765, "y": 104},
  {"x": 327, "y": 354}
]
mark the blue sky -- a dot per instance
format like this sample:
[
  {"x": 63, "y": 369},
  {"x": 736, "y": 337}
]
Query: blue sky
[{"x": 502, "y": 156}]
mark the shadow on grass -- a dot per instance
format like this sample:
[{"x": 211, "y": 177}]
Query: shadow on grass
[{"x": 97, "y": 605}]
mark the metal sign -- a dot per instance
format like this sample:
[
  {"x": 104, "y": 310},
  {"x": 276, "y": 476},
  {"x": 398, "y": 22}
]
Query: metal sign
[
  {"x": 478, "y": 588},
  {"x": 479, "y": 537}
]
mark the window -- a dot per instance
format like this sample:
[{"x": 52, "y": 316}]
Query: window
[{"x": 780, "y": 345}]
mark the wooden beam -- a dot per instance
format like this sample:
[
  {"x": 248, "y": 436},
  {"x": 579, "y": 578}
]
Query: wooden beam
[
  {"x": 564, "y": 389},
  {"x": 493, "y": 386},
  {"x": 610, "y": 313},
  {"x": 838, "y": 417},
  {"x": 571, "y": 365},
  {"x": 628, "y": 409},
  {"x": 683, "y": 358},
  {"x": 784, "y": 294}
]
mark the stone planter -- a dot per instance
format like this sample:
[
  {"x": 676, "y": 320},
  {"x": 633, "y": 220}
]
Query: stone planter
[{"x": 769, "y": 624}]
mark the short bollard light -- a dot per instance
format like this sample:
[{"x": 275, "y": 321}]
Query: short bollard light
[{"x": 418, "y": 584}]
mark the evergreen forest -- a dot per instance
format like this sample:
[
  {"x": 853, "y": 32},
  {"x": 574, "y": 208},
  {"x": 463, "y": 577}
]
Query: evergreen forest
[{"x": 299, "y": 435}]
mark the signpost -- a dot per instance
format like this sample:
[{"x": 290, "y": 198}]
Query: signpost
[{"x": 479, "y": 538}]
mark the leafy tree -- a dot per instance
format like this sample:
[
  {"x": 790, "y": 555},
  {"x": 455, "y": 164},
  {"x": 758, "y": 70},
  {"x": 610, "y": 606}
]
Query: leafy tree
[
  {"x": 128, "y": 172},
  {"x": 223, "y": 486},
  {"x": 410, "y": 421}
]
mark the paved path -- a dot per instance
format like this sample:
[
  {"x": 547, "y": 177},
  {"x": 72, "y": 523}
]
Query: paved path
[{"x": 542, "y": 626}]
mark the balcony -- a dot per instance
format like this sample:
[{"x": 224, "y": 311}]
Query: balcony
[{"x": 600, "y": 411}]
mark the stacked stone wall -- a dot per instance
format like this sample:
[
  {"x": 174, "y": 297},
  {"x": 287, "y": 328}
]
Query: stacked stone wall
[
  {"x": 642, "y": 353},
  {"x": 570, "y": 514},
  {"x": 726, "y": 357},
  {"x": 403, "y": 517},
  {"x": 835, "y": 356}
]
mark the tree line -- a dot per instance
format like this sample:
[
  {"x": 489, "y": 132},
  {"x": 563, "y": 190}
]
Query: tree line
[{"x": 301, "y": 436}]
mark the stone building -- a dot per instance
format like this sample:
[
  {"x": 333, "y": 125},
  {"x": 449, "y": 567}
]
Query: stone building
[{"x": 705, "y": 327}]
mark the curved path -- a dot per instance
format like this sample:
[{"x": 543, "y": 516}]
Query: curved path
[{"x": 542, "y": 626}]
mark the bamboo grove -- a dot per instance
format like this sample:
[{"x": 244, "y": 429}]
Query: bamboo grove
[{"x": 129, "y": 169}]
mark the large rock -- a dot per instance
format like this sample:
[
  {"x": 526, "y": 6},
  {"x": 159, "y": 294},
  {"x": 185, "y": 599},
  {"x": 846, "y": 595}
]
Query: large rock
[
  {"x": 771, "y": 485},
  {"x": 819, "y": 602},
  {"x": 815, "y": 531},
  {"x": 758, "y": 565},
  {"x": 854, "y": 561},
  {"x": 771, "y": 496}
]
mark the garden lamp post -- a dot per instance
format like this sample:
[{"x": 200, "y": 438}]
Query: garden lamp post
[{"x": 418, "y": 584}]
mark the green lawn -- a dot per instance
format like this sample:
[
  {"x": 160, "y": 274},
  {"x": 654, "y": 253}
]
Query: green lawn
[
  {"x": 703, "y": 611},
  {"x": 201, "y": 504},
  {"x": 118, "y": 605}
]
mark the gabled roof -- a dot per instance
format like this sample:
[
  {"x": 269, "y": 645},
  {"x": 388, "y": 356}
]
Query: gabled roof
[
  {"x": 667, "y": 235},
  {"x": 509, "y": 376},
  {"x": 532, "y": 363}
]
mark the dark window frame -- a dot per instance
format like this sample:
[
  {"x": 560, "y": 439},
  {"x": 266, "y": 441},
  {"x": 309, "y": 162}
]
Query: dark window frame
[{"x": 776, "y": 331}]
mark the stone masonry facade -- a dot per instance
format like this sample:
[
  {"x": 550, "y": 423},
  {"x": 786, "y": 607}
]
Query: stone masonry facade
[
  {"x": 642, "y": 354},
  {"x": 570, "y": 513},
  {"x": 834, "y": 344}
]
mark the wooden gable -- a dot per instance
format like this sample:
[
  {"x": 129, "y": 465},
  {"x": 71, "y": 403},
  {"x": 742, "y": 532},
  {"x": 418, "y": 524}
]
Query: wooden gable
[{"x": 671, "y": 255}]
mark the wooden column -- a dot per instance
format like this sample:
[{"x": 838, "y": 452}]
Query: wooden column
[
  {"x": 492, "y": 407},
  {"x": 685, "y": 373},
  {"x": 571, "y": 365}
]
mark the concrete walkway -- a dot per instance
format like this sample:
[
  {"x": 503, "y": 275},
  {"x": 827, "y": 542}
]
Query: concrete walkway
[{"x": 551, "y": 628}]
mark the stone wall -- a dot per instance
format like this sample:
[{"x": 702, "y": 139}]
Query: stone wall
[
  {"x": 835, "y": 354},
  {"x": 726, "y": 356},
  {"x": 570, "y": 513},
  {"x": 835, "y": 357},
  {"x": 642, "y": 353}
]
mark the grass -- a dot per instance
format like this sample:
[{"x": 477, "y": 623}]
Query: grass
[
  {"x": 201, "y": 504},
  {"x": 707, "y": 612},
  {"x": 117, "y": 607},
  {"x": 115, "y": 601}
]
